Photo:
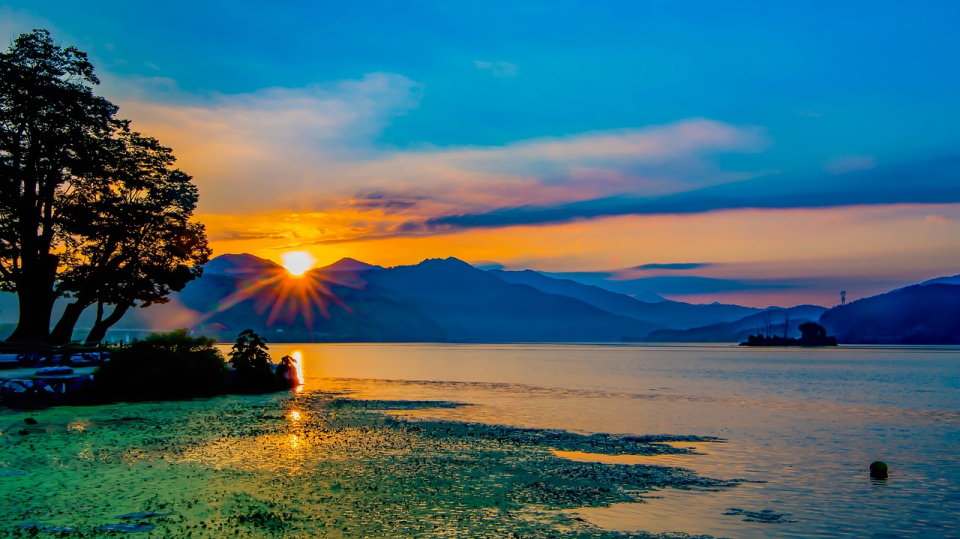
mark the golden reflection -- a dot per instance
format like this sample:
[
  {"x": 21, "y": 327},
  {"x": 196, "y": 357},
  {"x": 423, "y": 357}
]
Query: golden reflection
[
  {"x": 76, "y": 427},
  {"x": 298, "y": 367},
  {"x": 294, "y": 415},
  {"x": 294, "y": 441}
]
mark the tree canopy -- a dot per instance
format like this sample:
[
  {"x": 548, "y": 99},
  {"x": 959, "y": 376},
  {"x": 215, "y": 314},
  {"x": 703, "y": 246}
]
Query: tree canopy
[{"x": 89, "y": 209}]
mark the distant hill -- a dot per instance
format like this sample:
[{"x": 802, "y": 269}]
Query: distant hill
[
  {"x": 739, "y": 330},
  {"x": 919, "y": 314},
  {"x": 239, "y": 265},
  {"x": 473, "y": 305},
  {"x": 348, "y": 264},
  {"x": 436, "y": 300},
  {"x": 447, "y": 300},
  {"x": 943, "y": 280},
  {"x": 669, "y": 314}
]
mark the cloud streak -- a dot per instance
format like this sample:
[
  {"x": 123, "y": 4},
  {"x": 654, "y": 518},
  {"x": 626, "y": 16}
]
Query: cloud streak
[
  {"x": 315, "y": 150},
  {"x": 503, "y": 70},
  {"x": 923, "y": 183}
]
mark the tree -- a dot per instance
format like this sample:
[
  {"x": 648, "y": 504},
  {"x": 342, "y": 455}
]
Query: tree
[
  {"x": 812, "y": 331},
  {"x": 133, "y": 240},
  {"x": 88, "y": 208},
  {"x": 251, "y": 363},
  {"x": 51, "y": 125}
]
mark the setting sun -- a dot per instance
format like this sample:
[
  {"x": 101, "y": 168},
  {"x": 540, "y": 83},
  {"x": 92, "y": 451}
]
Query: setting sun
[{"x": 297, "y": 262}]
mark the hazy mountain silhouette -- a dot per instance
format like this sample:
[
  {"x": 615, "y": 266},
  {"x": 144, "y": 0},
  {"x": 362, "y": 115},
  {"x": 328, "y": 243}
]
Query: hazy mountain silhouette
[
  {"x": 449, "y": 300},
  {"x": 943, "y": 280},
  {"x": 239, "y": 265},
  {"x": 918, "y": 314},
  {"x": 739, "y": 330},
  {"x": 348, "y": 264},
  {"x": 669, "y": 314},
  {"x": 473, "y": 305}
]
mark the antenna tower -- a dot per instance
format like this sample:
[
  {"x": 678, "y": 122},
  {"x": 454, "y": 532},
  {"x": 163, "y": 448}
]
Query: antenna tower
[{"x": 843, "y": 297}]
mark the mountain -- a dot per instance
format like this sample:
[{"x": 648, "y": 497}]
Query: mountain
[
  {"x": 918, "y": 314},
  {"x": 348, "y": 264},
  {"x": 739, "y": 330},
  {"x": 436, "y": 300},
  {"x": 239, "y": 265},
  {"x": 943, "y": 280},
  {"x": 665, "y": 313},
  {"x": 447, "y": 300},
  {"x": 473, "y": 305}
]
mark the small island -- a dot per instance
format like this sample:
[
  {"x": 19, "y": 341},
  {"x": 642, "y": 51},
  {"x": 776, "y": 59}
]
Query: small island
[{"x": 811, "y": 335}]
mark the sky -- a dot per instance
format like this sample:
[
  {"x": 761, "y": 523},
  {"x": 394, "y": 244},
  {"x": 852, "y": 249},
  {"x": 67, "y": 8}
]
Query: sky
[{"x": 761, "y": 153}]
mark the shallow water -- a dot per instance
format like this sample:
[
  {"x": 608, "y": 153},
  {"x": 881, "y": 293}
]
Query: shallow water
[
  {"x": 800, "y": 425},
  {"x": 807, "y": 422}
]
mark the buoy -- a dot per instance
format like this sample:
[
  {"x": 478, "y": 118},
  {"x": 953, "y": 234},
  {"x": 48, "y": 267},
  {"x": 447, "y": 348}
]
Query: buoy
[{"x": 878, "y": 470}]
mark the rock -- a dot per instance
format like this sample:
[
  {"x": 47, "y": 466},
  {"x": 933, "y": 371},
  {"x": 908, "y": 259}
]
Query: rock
[
  {"x": 59, "y": 529},
  {"x": 13, "y": 386},
  {"x": 141, "y": 515},
  {"x": 127, "y": 528},
  {"x": 878, "y": 469},
  {"x": 23, "y": 432},
  {"x": 30, "y": 421}
]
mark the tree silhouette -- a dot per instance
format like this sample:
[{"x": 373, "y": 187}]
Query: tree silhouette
[
  {"x": 88, "y": 208},
  {"x": 133, "y": 240},
  {"x": 812, "y": 331},
  {"x": 50, "y": 127}
]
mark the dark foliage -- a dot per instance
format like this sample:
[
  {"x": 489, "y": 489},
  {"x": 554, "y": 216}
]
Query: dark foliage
[
  {"x": 165, "y": 366},
  {"x": 811, "y": 334},
  {"x": 253, "y": 372},
  {"x": 89, "y": 209}
]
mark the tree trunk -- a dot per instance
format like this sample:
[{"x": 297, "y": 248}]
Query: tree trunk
[
  {"x": 33, "y": 324},
  {"x": 36, "y": 296},
  {"x": 99, "y": 330},
  {"x": 63, "y": 332}
]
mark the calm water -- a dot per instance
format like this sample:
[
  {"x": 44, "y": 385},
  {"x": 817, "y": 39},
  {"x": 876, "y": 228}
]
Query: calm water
[{"x": 803, "y": 424}]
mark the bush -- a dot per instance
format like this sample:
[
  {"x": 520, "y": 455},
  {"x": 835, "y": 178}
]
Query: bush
[
  {"x": 164, "y": 367},
  {"x": 253, "y": 372}
]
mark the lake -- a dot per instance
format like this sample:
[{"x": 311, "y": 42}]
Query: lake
[{"x": 799, "y": 427}]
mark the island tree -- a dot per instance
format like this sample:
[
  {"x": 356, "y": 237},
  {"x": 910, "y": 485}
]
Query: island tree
[{"x": 88, "y": 208}]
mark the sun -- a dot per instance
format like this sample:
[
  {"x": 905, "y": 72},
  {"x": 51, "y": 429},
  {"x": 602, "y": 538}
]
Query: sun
[{"x": 297, "y": 262}]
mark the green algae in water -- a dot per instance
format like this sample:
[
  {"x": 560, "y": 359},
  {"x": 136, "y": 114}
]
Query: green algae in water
[{"x": 308, "y": 466}]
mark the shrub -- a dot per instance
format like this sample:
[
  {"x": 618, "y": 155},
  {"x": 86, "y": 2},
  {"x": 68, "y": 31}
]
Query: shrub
[
  {"x": 164, "y": 366},
  {"x": 253, "y": 372}
]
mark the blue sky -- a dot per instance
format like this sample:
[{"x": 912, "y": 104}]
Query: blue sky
[
  {"x": 854, "y": 99},
  {"x": 826, "y": 78}
]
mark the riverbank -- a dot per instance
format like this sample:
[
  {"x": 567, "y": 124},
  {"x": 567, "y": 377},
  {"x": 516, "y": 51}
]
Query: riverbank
[{"x": 308, "y": 465}]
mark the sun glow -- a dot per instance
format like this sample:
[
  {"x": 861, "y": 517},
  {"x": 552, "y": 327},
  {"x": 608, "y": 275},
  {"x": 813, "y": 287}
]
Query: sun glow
[
  {"x": 297, "y": 262},
  {"x": 298, "y": 366}
]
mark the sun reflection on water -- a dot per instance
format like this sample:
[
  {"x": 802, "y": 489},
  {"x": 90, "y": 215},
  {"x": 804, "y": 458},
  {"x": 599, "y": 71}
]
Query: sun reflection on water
[{"x": 298, "y": 367}]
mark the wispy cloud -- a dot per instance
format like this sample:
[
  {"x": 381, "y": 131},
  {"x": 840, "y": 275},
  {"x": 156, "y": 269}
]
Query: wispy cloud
[
  {"x": 504, "y": 70},
  {"x": 673, "y": 267},
  {"x": 843, "y": 164},
  {"x": 314, "y": 150}
]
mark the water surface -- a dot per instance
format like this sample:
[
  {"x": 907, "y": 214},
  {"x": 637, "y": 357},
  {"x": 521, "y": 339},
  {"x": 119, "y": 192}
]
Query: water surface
[
  {"x": 806, "y": 422},
  {"x": 799, "y": 426}
]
